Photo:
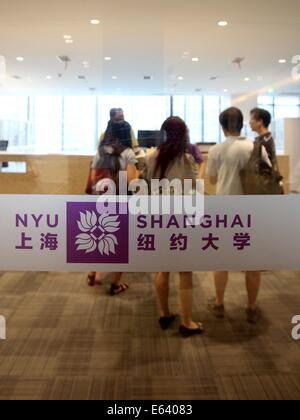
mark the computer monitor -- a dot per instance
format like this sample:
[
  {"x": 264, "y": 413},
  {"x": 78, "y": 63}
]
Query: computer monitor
[
  {"x": 3, "y": 145},
  {"x": 150, "y": 138}
]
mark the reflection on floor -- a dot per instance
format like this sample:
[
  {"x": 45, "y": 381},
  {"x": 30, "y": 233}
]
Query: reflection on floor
[{"x": 68, "y": 341}]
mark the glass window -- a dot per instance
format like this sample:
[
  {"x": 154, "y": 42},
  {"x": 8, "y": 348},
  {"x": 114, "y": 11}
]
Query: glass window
[
  {"x": 14, "y": 108},
  {"x": 179, "y": 107},
  {"x": 79, "y": 124},
  {"x": 281, "y": 106},
  {"x": 14, "y": 125},
  {"x": 212, "y": 106},
  {"x": 142, "y": 112},
  {"x": 265, "y": 100},
  {"x": 46, "y": 118}
]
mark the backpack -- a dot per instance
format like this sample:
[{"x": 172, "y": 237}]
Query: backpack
[
  {"x": 258, "y": 178},
  {"x": 108, "y": 168}
]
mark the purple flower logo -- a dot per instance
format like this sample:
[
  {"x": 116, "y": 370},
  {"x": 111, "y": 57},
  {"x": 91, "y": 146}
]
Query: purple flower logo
[{"x": 94, "y": 237}]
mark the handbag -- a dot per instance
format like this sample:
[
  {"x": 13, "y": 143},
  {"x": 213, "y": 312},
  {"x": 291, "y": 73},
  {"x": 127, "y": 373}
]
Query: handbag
[{"x": 258, "y": 178}]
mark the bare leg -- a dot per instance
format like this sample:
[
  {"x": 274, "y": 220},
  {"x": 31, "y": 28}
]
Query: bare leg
[
  {"x": 117, "y": 277},
  {"x": 221, "y": 280},
  {"x": 253, "y": 281},
  {"x": 99, "y": 277},
  {"x": 186, "y": 295},
  {"x": 162, "y": 289}
]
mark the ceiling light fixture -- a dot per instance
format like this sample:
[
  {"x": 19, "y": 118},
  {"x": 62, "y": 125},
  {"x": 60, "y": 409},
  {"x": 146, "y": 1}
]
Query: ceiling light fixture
[
  {"x": 95, "y": 21},
  {"x": 180, "y": 78},
  {"x": 247, "y": 79},
  {"x": 20, "y": 59},
  {"x": 114, "y": 78},
  {"x": 69, "y": 41},
  {"x": 49, "y": 77},
  {"x": 67, "y": 36},
  {"x": 195, "y": 59},
  {"x": 223, "y": 23},
  {"x": 282, "y": 61},
  {"x": 107, "y": 58}
]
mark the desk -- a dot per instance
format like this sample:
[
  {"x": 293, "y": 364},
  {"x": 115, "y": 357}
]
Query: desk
[{"x": 67, "y": 174}]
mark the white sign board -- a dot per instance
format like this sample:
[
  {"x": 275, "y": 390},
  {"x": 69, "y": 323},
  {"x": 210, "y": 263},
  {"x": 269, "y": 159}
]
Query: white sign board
[{"x": 53, "y": 233}]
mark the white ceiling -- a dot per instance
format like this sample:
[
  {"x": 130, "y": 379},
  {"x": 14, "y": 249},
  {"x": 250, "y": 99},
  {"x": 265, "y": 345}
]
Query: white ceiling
[{"x": 149, "y": 38}]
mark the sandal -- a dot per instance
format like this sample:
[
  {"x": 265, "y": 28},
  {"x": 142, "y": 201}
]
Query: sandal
[
  {"x": 91, "y": 279},
  {"x": 166, "y": 321},
  {"x": 187, "y": 332},
  {"x": 117, "y": 289}
]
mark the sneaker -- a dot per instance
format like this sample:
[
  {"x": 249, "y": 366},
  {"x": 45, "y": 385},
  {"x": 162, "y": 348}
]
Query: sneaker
[
  {"x": 253, "y": 315},
  {"x": 217, "y": 310}
]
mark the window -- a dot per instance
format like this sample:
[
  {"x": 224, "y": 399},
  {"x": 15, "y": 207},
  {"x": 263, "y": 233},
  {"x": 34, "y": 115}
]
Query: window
[
  {"x": 201, "y": 114},
  {"x": 79, "y": 124},
  {"x": 14, "y": 108},
  {"x": 14, "y": 126},
  {"x": 281, "y": 106},
  {"x": 46, "y": 117},
  {"x": 142, "y": 112}
]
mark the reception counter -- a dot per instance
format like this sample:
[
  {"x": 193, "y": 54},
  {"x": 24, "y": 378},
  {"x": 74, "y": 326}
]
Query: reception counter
[{"x": 64, "y": 174}]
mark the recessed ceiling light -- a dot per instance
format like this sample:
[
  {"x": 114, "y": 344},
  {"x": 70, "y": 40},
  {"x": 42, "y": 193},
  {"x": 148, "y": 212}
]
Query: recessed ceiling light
[
  {"x": 180, "y": 78},
  {"x": 69, "y": 41},
  {"x": 49, "y": 77},
  {"x": 223, "y": 23},
  {"x": 225, "y": 90},
  {"x": 282, "y": 61},
  {"x": 95, "y": 21},
  {"x": 247, "y": 79},
  {"x": 20, "y": 59},
  {"x": 107, "y": 58},
  {"x": 68, "y": 36},
  {"x": 195, "y": 59},
  {"x": 114, "y": 77}
]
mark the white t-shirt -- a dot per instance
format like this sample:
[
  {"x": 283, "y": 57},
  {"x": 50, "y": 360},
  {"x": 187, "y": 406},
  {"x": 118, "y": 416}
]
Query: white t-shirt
[{"x": 226, "y": 160}]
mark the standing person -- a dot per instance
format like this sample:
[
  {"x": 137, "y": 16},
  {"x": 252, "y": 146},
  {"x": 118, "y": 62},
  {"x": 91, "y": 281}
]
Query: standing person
[
  {"x": 114, "y": 155},
  {"x": 173, "y": 160},
  {"x": 260, "y": 123},
  {"x": 117, "y": 115},
  {"x": 225, "y": 162}
]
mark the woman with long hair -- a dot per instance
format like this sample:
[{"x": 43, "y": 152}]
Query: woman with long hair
[
  {"x": 173, "y": 160},
  {"x": 114, "y": 155}
]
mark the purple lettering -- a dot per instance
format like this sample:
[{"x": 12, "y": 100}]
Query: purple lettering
[
  {"x": 237, "y": 222},
  {"x": 21, "y": 220},
  {"x": 52, "y": 225},
  {"x": 173, "y": 222},
  {"x": 142, "y": 222},
  {"x": 37, "y": 219}
]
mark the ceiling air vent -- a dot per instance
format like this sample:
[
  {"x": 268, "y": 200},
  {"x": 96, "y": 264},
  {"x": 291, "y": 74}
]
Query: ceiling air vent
[{"x": 63, "y": 59}]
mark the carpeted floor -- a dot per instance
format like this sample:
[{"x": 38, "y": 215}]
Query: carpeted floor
[{"x": 68, "y": 341}]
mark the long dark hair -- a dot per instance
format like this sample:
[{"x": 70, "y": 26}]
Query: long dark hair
[
  {"x": 117, "y": 138},
  {"x": 174, "y": 147}
]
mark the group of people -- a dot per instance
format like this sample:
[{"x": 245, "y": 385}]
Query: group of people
[{"x": 176, "y": 158}]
